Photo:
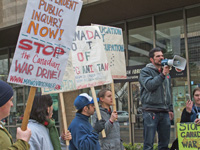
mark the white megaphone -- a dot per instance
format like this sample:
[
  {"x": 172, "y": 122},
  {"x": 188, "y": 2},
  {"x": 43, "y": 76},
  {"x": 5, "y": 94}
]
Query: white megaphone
[{"x": 177, "y": 62}]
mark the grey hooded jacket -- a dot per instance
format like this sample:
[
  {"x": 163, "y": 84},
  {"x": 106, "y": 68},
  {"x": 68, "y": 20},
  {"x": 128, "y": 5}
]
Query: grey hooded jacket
[
  {"x": 112, "y": 140},
  {"x": 155, "y": 92}
]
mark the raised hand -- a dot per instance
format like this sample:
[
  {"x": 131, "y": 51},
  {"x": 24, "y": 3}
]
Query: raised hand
[
  {"x": 114, "y": 116},
  {"x": 189, "y": 105}
]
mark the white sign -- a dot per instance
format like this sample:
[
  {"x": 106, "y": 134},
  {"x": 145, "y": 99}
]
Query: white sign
[
  {"x": 89, "y": 62},
  {"x": 89, "y": 59},
  {"x": 114, "y": 47},
  {"x": 68, "y": 83},
  {"x": 44, "y": 42}
]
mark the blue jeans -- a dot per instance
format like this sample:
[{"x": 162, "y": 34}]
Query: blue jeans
[{"x": 159, "y": 122}]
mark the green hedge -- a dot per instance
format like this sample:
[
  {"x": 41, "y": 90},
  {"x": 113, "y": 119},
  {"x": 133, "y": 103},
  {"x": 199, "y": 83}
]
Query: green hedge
[{"x": 137, "y": 146}]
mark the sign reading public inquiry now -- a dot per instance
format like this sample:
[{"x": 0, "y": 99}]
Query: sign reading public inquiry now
[{"x": 44, "y": 42}]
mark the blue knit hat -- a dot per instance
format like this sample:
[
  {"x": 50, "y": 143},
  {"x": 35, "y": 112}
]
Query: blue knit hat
[
  {"x": 6, "y": 92},
  {"x": 83, "y": 100}
]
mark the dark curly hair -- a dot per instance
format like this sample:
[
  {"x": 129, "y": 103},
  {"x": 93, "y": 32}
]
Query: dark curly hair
[
  {"x": 152, "y": 51},
  {"x": 39, "y": 108}
]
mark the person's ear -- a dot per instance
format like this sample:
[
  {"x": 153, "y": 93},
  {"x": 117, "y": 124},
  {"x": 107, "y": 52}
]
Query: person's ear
[
  {"x": 85, "y": 108},
  {"x": 48, "y": 110},
  {"x": 151, "y": 59},
  {"x": 101, "y": 99}
]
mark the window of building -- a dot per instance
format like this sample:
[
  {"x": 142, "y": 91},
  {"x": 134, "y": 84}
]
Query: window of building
[
  {"x": 140, "y": 41},
  {"x": 193, "y": 28},
  {"x": 169, "y": 28}
]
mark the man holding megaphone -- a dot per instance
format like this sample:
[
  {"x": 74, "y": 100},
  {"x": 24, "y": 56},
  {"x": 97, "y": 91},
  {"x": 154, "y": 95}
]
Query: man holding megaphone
[{"x": 155, "y": 95}]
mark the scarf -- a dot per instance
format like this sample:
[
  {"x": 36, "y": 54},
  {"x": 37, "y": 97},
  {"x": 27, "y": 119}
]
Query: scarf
[{"x": 53, "y": 133}]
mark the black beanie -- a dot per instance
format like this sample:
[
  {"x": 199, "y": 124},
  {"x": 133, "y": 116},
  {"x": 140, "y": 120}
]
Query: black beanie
[{"x": 6, "y": 92}]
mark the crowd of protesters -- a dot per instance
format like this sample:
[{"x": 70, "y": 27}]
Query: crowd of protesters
[{"x": 155, "y": 95}]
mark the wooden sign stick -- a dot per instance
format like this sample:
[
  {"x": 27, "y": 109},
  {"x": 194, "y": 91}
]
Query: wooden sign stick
[
  {"x": 97, "y": 109},
  {"x": 113, "y": 96},
  {"x": 62, "y": 104},
  {"x": 27, "y": 111}
]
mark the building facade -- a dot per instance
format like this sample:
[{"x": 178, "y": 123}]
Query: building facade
[{"x": 174, "y": 26}]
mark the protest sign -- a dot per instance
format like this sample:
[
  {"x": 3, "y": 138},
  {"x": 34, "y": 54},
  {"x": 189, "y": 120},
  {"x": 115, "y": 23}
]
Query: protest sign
[
  {"x": 68, "y": 83},
  {"x": 89, "y": 59},
  {"x": 89, "y": 62},
  {"x": 114, "y": 47},
  {"x": 44, "y": 42},
  {"x": 188, "y": 136}
]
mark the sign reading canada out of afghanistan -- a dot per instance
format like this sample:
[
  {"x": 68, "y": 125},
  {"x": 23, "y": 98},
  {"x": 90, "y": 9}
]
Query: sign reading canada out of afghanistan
[
  {"x": 88, "y": 66},
  {"x": 42, "y": 50},
  {"x": 188, "y": 136},
  {"x": 114, "y": 47}
]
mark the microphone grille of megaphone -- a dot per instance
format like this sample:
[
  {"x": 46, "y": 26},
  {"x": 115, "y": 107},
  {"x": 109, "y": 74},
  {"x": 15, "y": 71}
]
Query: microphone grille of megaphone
[
  {"x": 176, "y": 63},
  {"x": 179, "y": 62}
]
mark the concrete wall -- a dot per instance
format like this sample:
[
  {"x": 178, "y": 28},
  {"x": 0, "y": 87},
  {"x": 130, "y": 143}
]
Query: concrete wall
[{"x": 11, "y": 12}]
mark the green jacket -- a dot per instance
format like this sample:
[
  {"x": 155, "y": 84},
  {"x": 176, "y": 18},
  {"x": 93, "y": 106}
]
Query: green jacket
[{"x": 6, "y": 141}]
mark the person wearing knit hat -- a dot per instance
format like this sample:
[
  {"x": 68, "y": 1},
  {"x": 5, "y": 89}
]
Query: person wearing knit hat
[
  {"x": 6, "y": 142},
  {"x": 6, "y": 92},
  {"x": 84, "y": 136}
]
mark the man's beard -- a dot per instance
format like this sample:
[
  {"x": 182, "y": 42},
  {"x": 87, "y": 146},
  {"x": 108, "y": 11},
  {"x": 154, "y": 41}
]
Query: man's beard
[{"x": 157, "y": 64}]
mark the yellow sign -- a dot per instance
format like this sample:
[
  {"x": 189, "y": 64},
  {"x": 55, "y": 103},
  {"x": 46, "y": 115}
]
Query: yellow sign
[{"x": 188, "y": 136}]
